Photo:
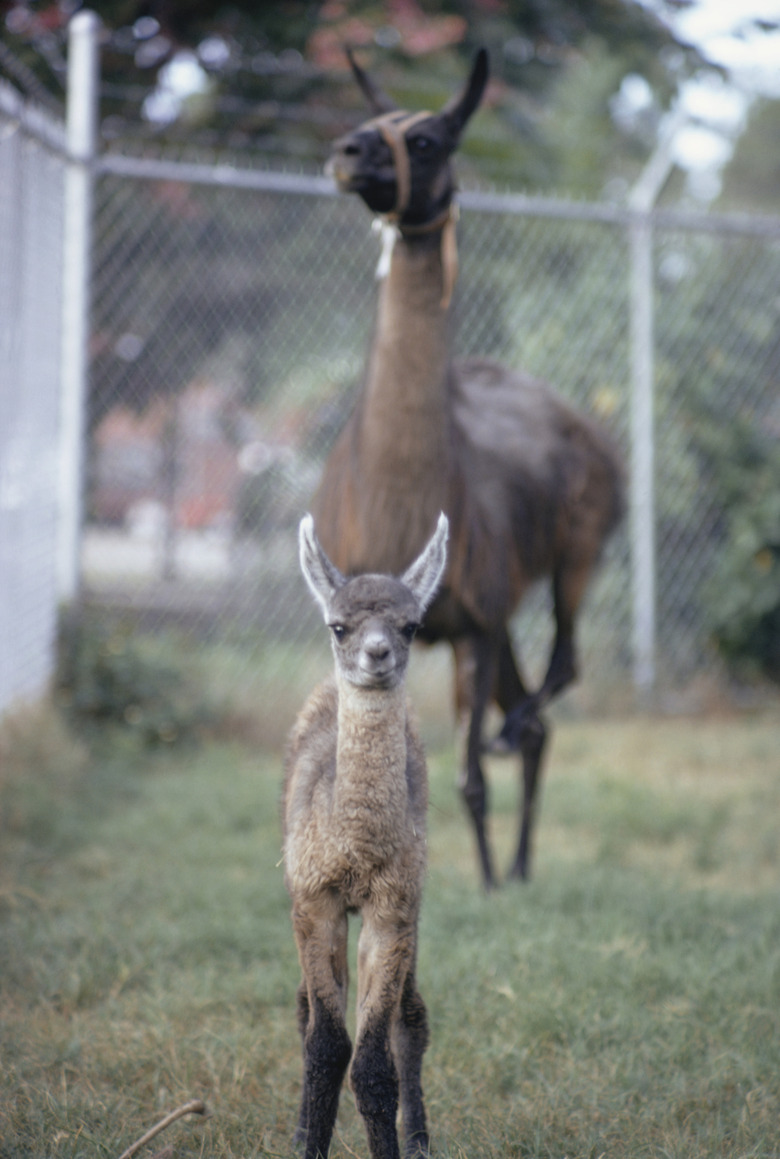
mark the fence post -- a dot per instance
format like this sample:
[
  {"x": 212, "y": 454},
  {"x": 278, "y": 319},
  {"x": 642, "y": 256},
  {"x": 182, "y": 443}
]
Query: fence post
[
  {"x": 643, "y": 562},
  {"x": 642, "y": 198},
  {"x": 81, "y": 135}
]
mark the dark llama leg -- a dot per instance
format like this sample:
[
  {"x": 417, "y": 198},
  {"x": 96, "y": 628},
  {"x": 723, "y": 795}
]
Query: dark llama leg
[
  {"x": 302, "y": 1006},
  {"x": 321, "y": 936},
  {"x": 523, "y": 731},
  {"x": 410, "y": 1038},
  {"x": 472, "y": 784},
  {"x": 326, "y": 1056},
  {"x": 391, "y": 1021},
  {"x": 532, "y": 744},
  {"x": 374, "y": 1082}
]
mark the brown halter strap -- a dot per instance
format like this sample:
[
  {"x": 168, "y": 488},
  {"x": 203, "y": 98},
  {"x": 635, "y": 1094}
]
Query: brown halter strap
[{"x": 393, "y": 126}]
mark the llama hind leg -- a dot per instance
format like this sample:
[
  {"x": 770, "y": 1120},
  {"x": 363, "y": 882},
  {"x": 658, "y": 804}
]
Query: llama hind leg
[
  {"x": 474, "y": 678},
  {"x": 321, "y": 1020}
]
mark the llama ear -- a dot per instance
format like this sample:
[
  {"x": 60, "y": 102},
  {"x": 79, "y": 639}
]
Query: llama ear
[
  {"x": 460, "y": 107},
  {"x": 378, "y": 101},
  {"x": 423, "y": 576},
  {"x": 320, "y": 574}
]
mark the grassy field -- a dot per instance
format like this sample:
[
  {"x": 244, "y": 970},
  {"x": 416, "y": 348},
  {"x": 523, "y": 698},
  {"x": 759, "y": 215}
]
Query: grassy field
[{"x": 625, "y": 1003}]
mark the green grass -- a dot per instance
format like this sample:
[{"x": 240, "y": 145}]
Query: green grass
[{"x": 625, "y": 1003}]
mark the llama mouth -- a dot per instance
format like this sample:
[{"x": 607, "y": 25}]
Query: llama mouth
[
  {"x": 340, "y": 171},
  {"x": 378, "y": 194},
  {"x": 372, "y": 677}
]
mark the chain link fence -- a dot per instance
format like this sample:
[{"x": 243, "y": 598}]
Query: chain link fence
[
  {"x": 231, "y": 315},
  {"x": 230, "y": 329}
]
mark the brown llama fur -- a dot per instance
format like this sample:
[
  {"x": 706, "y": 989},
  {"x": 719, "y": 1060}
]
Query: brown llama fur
[
  {"x": 354, "y": 814},
  {"x": 531, "y": 486}
]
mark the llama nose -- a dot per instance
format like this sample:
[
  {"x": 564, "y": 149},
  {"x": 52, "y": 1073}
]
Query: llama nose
[{"x": 377, "y": 646}]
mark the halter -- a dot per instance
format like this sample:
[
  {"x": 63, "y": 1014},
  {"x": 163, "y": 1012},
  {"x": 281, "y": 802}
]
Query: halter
[{"x": 393, "y": 127}]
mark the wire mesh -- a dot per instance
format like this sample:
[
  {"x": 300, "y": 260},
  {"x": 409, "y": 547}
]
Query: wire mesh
[{"x": 230, "y": 327}]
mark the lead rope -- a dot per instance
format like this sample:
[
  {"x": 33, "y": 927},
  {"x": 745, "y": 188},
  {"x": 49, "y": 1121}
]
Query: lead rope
[{"x": 393, "y": 128}]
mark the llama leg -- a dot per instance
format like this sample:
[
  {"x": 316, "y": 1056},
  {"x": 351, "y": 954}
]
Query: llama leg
[
  {"x": 385, "y": 959},
  {"x": 525, "y": 731},
  {"x": 532, "y": 743},
  {"x": 525, "y": 722},
  {"x": 569, "y": 585},
  {"x": 321, "y": 935},
  {"x": 410, "y": 1038},
  {"x": 302, "y": 1008},
  {"x": 474, "y": 670},
  {"x": 512, "y": 697}
]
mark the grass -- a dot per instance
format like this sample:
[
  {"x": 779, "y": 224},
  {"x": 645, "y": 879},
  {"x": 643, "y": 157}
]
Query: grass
[{"x": 625, "y": 1003}]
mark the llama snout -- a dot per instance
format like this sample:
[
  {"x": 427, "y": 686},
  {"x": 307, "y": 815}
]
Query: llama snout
[{"x": 377, "y": 659}]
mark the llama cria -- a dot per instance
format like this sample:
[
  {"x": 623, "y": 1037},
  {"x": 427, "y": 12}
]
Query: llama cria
[
  {"x": 354, "y": 809},
  {"x": 532, "y": 488}
]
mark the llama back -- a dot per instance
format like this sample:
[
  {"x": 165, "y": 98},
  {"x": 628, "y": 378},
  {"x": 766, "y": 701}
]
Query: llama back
[{"x": 544, "y": 479}]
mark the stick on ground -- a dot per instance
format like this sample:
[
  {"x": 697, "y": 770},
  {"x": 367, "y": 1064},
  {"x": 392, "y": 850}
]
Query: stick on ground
[{"x": 193, "y": 1107}]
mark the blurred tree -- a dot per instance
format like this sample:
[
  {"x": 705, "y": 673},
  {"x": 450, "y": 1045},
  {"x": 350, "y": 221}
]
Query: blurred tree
[
  {"x": 752, "y": 178},
  {"x": 718, "y": 439},
  {"x": 273, "y": 77}
]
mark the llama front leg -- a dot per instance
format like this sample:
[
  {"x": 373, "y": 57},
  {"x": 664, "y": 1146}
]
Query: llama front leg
[
  {"x": 569, "y": 583},
  {"x": 386, "y": 953},
  {"x": 532, "y": 744},
  {"x": 410, "y": 1038},
  {"x": 322, "y": 942}
]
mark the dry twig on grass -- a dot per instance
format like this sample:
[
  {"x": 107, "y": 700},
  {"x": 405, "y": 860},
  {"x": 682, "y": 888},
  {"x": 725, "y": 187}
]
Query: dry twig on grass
[{"x": 193, "y": 1107}]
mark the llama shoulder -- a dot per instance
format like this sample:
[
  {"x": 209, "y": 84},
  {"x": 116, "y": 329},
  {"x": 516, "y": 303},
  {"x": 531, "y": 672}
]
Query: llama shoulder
[{"x": 310, "y": 755}]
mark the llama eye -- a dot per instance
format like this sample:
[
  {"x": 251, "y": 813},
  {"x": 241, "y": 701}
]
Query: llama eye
[
  {"x": 339, "y": 631},
  {"x": 409, "y": 631},
  {"x": 420, "y": 145}
]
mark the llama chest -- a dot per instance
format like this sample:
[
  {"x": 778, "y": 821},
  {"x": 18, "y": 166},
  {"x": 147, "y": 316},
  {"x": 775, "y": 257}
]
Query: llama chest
[
  {"x": 356, "y": 846},
  {"x": 355, "y": 800}
]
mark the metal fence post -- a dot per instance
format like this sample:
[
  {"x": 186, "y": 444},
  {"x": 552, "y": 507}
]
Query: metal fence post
[
  {"x": 643, "y": 561},
  {"x": 643, "y": 197},
  {"x": 81, "y": 127}
]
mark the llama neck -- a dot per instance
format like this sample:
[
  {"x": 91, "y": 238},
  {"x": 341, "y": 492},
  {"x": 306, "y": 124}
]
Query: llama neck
[
  {"x": 407, "y": 368},
  {"x": 371, "y": 755},
  {"x": 404, "y": 442}
]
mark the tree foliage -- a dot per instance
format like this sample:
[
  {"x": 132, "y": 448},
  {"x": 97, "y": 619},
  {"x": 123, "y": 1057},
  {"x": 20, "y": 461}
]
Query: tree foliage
[
  {"x": 752, "y": 179},
  {"x": 719, "y": 423},
  {"x": 278, "y": 81}
]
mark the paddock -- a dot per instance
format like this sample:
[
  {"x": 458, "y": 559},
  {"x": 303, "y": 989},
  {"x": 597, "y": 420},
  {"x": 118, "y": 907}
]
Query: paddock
[{"x": 624, "y": 1001}]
